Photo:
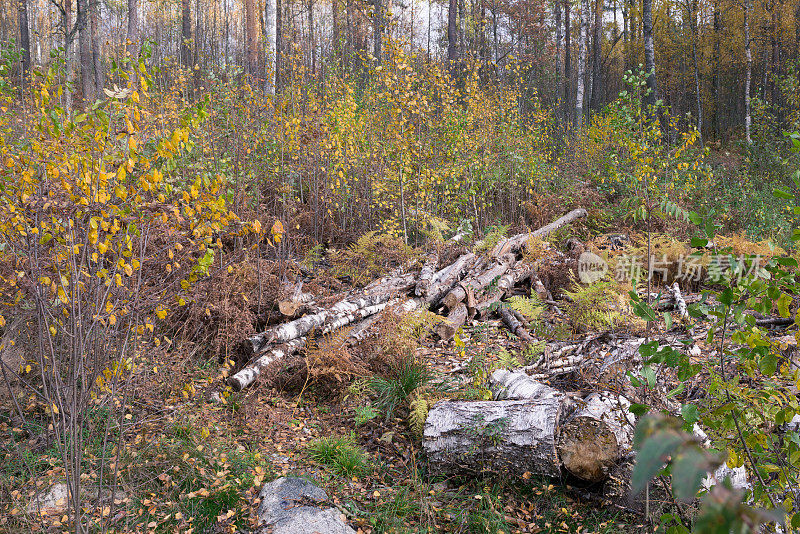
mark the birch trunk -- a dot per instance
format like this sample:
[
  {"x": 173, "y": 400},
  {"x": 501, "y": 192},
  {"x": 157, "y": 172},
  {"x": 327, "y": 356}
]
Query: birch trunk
[
  {"x": 583, "y": 37},
  {"x": 270, "y": 48},
  {"x": 514, "y": 244},
  {"x": 748, "y": 57},
  {"x": 455, "y": 320},
  {"x": 478, "y": 282},
  {"x": 649, "y": 54},
  {"x": 444, "y": 279},
  {"x": 426, "y": 274},
  {"x": 508, "y": 437},
  {"x": 596, "y": 436}
]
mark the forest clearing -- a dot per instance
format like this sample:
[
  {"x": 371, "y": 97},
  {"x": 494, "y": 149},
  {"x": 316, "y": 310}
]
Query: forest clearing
[{"x": 372, "y": 267}]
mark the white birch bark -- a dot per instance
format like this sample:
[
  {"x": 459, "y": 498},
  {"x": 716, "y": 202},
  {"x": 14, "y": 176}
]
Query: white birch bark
[{"x": 511, "y": 437}]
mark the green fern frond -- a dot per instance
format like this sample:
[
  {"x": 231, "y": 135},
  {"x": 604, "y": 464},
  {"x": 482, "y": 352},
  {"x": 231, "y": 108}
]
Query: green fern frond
[
  {"x": 418, "y": 413},
  {"x": 531, "y": 307},
  {"x": 506, "y": 360}
]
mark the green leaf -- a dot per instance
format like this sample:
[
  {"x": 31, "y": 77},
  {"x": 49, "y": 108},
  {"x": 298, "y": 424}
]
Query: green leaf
[
  {"x": 783, "y": 305},
  {"x": 649, "y": 375},
  {"x": 726, "y": 296},
  {"x": 778, "y": 193},
  {"x": 699, "y": 242},
  {"x": 768, "y": 364},
  {"x": 787, "y": 261},
  {"x": 651, "y": 457},
  {"x": 711, "y": 229},
  {"x": 688, "y": 469},
  {"x": 690, "y": 414},
  {"x": 667, "y": 320},
  {"x": 639, "y": 409}
]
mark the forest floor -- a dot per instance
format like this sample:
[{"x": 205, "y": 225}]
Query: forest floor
[{"x": 194, "y": 454}]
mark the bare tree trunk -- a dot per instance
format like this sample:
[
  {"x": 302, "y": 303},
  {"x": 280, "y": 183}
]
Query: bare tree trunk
[
  {"x": 24, "y": 39},
  {"x": 597, "y": 60},
  {"x": 452, "y": 33},
  {"x": 583, "y": 40},
  {"x": 97, "y": 65},
  {"x": 692, "y": 8},
  {"x": 133, "y": 29},
  {"x": 336, "y": 15},
  {"x": 377, "y": 23},
  {"x": 717, "y": 80},
  {"x": 649, "y": 52},
  {"x": 69, "y": 52},
  {"x": 567, "y": 61},
  {"x": 748, "y": 56},
  {"x": 557, "y": 7},
  {"x": 186, "y": 34},
  {"x": 279, "y": 48},
  {"x": 270, "y": 35},
  {"x": 312, "y": 37},
  {"x": 251, "y": 37},
  {"x": 85, "y": 45}
]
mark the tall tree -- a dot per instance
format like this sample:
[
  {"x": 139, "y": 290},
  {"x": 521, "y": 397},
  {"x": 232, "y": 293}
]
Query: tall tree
[
  {"x": 97, "y": 47},
  {"x": 133, "y": 29},
  {"x": 649, "y": 52},
  {"x": 88, "y": 82},
  {"x": 717, "y": 81},
  {"x": 567, "y": 61},
  {"x": 557, "y": 8},
  {"x": 691, "y": 7},
  {"x": 186, "y": 33},
  {"x": 452, "y": 32},
  {"x": 378, "y": 29},
  {"x": 279, "y": 55},
  {"x": 251, "y": 37},
  {"x": 596, "y": 101},
  {"x": 336, "y": 21},
  {"x": 583, "y": 39},
  {"x": 270, "y": 35},
  {"x": 312, "y": 36},
  {"x": 24, "y": 38},
  {"x": 748, "y": 57}
]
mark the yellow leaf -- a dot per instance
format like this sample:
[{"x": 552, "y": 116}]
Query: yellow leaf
[{"x": 112, "y": 319}]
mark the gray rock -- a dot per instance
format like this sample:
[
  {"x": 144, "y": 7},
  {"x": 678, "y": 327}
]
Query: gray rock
[{"x": 291, "y": 505}]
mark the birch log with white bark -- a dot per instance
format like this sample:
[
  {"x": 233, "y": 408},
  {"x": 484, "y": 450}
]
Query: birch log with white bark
[
  {"x": 444, "y": 280},
  {"x": 509, "y": 385},
  {"x": 515, "y": 325},
  {"x": 300, "y": 327},
  {"x": 515, "y": 243},
  {"x": 455, "y": 320},
  {"x": 508, "y": 437},
  {"x": 249, "y": 374},
  {"x": 426, "y": 274},
  {"x": 596, "y": 436},
  {"x": 478, "y": 282}
]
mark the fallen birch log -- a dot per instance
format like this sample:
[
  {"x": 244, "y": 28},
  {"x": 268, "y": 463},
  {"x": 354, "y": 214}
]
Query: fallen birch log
[
  {"x": 478, "y": 282},
  {"x": 455, "y": 320},
  {"x": 515, "y": 325},
  {"x": 426, "y": 274},
  {"x": 515, "y": 243},
  {"x": 300, "y": 327},
  {"x": 444, "y": 280},
  {"x": 596, "y": 436},
  {"x": 680, "y": 303},
  {"x": 508, "y": 437},
  {"x": 249, "y": 374},
  {"x": 506, "y": 384},
  {"x": 361, "y": 331}
]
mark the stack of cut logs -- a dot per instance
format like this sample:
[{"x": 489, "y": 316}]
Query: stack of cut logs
[{"x": 530, "y": 427}]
